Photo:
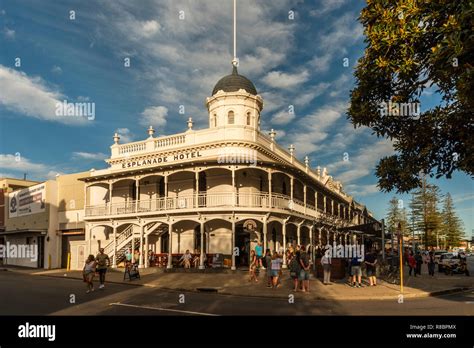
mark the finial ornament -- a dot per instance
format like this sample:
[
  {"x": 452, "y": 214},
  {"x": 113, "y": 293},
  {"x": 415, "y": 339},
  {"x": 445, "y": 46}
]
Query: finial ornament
[
  {"x": 306, "y": 161},
  {"x": 151, "y": 131},
  {"x": 272, "y": 134},
  {"x": 116, "y": 138},
  {"x": 292, "y": 149},
  {"x": 190, "y": 123}
]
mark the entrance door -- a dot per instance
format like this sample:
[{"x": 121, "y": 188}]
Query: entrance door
[
  {"x": 242, "y": 241},
  {"x": 164, "y": 247}
]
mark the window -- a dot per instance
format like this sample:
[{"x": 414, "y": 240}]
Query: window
[
  {"x": 230, "y": 117},
  {"x": 215, "y": 120},
  {"x": 248, "y": 118}
]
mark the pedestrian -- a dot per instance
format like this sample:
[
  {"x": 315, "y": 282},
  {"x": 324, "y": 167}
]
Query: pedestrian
[
  {"x": 259, "y": 254},
  {"x": 276, "y": 267},
  {"x": 295, "y": 268},
  {"x": 186, "y": 259},
  {"x": 253, "y": 266},
  {"x": 103, "y": 262},
  {"x": 136, "y": 256},
  {"x": 419, "y": 262},
  {"x": 326, "y": 263},
  {"x": 88, "y": 273},
  {"x": 268, "y": 262},
  {"x": 356, "y": 272},
  {"x": 128, "y": 256},
  {"x": 431, "y": 264},
  {"x": 370, "y": 262},
  {"x": 305, "y": 265},
  {"x": 411, "y": 264}
]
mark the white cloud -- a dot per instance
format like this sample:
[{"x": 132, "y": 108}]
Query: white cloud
[
  {"x": 9, "y": 33},
  {"x": 17, "y": 166},
  {"x": 31, "y": 96},
  {"x": 279, "y": 79},
  {"x": 363, "y": 163},
  {"x": 150, "y": 28},
  {"x": 56, "y": 70},
  {"x": 89, "y": 156},
  {"x": 327, "y": 6},
  {"x": 463, "y": 197},
  {"x": 282, "y": 117},
  {"x": 361, "y": 190},
  {"x": 125, "y": 135},
  {"x": 154, "y": 116}
]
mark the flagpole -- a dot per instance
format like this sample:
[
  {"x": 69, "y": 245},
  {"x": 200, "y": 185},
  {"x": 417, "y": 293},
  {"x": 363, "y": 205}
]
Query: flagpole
[{"x": 234, "y": 61}]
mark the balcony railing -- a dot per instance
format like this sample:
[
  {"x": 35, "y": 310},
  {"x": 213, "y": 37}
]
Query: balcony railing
[{"x": 205, "y": 200}]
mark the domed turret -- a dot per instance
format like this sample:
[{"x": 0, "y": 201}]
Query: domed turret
[{"x": 233, "y": 83}]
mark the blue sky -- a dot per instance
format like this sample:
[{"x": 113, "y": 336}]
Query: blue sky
[{"x": 176, "y": 61}]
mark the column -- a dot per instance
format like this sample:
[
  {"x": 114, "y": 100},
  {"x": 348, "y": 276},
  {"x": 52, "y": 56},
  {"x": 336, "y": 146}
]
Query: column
[
  {"x": 114, "y": 262},
  {"x": 324, "y": 203},
  {"x": 311, "y": 230},
  {"x": 234, "y": 196},
  {"x": 327, "y": 239},
  {"x": 332, "y": 206},
  {"x": 265, "y": 229},
  {"x": 233, "y": 244},
  {"x": 88, "y": 232},
  {"x": 166, "y": 193},
  {"x": 284, "y": 242},
  {"x": 304, "y": 198},
  {"x": 110, "y": 197},
  {"x": 298, "y": 234},
  {"x": 140, "y": 262},
  {"x": 270, "y": 189},
  {"x": 316, "y": 199},
  {"x": 170, "y": 245},
  {"x": 146, "y": 251},
  {"x": 201, "y": 256},
  {"x": 196, "y": 197},
  {"x": 137, "y": 196},
  {"x": 291, "y": 187},
  {"x": 319, "y": 237}
]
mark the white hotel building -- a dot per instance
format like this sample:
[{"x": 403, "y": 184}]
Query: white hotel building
[{"x": 214, "y": 189}]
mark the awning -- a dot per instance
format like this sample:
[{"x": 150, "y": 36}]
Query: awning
[{"x": 5, "y": 233}]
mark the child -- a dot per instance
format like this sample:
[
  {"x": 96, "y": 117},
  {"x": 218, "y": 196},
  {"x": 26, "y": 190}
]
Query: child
[{"x": 88, "y": 273}]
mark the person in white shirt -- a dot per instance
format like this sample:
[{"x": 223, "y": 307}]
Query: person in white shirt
[
  {"x": 186, "y": 259},
  {"x": 326, "y": 263}
]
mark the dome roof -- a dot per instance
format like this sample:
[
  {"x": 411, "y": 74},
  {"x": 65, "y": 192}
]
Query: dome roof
[{"x": 234, "y": 82}]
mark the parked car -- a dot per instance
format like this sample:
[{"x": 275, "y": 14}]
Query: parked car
[
  {"x": 448, "y": 260},
  {"x": 438, "y": 254}
]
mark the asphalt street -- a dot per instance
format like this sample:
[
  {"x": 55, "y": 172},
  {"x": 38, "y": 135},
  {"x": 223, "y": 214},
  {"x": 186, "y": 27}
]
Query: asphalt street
[{"x": 39, "y": 295}]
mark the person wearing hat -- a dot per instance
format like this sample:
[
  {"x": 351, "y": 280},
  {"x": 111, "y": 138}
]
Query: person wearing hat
[{"x": 103, "y": 262}]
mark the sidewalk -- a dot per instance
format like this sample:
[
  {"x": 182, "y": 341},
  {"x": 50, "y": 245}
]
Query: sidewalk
[{"x": 238, "y": 285}]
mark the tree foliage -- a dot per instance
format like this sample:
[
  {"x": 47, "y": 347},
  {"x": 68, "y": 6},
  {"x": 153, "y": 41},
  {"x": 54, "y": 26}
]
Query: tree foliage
[
  {"x": 412, "y": 45},
  {"x": 451, "y": 225}
]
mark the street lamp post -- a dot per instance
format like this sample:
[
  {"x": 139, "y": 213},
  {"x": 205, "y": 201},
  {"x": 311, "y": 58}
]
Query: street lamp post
[{"x": 400, "y": 238}]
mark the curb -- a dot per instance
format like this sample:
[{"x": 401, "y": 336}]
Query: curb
[{"x": 222, "y": 291}]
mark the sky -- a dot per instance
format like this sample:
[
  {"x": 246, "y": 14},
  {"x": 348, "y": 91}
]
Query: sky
[{"x": 300, "y": 55}]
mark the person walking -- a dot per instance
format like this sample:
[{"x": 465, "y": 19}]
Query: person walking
[
  {"x": 356, "y": 272},
  {"x": 88, "y": 273},
  {"x": 103, "y": 262},
  {"x": 370, "y": 262},
  {"x": 259, "y": 254},
  {"x": 295, "y": 268},
  {"x": 326, "y": 263},
  {"x": 411, "y": 264},
  {"x": 276, "y": 267},
  {"x": 268, "y": 263},
  {"x": 253, "y": 266},
  {"x": 304, "y": 272},
  {"x": 419, "y": 262},
  {"x": 431, "y": 264}
]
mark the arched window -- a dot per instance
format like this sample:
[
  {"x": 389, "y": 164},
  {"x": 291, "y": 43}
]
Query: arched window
[
  {"x": 230, "y": 117},
  {"x": 248, "y": 118}
]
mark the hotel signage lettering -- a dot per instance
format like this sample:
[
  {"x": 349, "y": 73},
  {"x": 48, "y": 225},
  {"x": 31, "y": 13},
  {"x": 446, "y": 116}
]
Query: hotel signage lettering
[{"x": 161, "y": 159}]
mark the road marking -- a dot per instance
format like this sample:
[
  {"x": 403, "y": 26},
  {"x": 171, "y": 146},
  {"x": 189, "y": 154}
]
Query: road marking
[{"x": 161, "y": 309}]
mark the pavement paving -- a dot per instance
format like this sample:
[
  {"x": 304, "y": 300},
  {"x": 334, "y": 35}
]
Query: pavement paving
[
  {"x": 38, "y": 295},
  {"x": 237, "y": 284}
]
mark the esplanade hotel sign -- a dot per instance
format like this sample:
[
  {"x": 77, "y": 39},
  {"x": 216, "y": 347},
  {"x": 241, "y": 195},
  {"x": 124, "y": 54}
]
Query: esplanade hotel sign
[{"x": 217, "y": 190}]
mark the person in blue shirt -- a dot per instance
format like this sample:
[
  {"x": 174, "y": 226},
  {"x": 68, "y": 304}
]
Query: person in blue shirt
[{"x": 259, "y": 254}]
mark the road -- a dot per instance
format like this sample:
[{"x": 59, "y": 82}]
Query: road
[{"x": 38, "y": 295}]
